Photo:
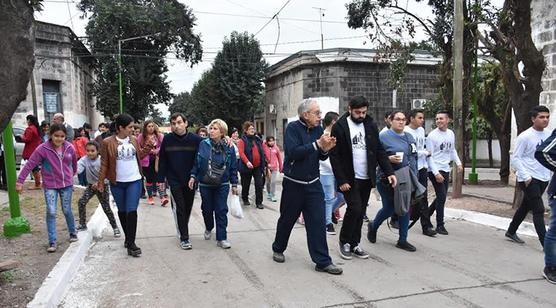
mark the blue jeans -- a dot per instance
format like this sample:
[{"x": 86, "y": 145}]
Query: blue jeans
[
  {"x": 126, "y": 195},
  {"x": 51, "y": 199},
  {"x": 550, "y": 237},
  {"x": 214, "y": 207},
  {"x": 332, "y": 197},
  {"x": 387, "y": 196}
]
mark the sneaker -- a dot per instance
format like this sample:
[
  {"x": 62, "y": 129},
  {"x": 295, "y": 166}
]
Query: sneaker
[
  {"x": 406, "y": 246},
  {"x": 345, "y": 251},
  {"x": 360, "y": 253},
  {"x": 73, "y": 238},
  {"x": 273, "y": 199},
  {"x": 117, "y": 232},
  {"x": 514, "y": 237},
  {"x": 186, "y": 245},
  {"x": 224, "y": 244},
  {"x": 395, "y": 224},
  {"x": 278, "y": 257},
  {"x": 441, "y": 230},
  {"x": 331, "y": 269},
  {"x": 365, "y": 218},
  {"x": 330, "y": 229},
  {"x": 52, "y": 247},
  {"x": 260, "y": 206},
  {"x": 164, "y": 201},
  {"x": 269, "y": 197},
  {"x": 371, "y": 233},
  {"x": 82, "y": 227},
  {"x": 207, "y": 234},
  {"x": 246, "y": 202},
  {"x": 549, "y": 273},
  {"x": 150, "y": 200},
  {"x": 429, "y": 232}
]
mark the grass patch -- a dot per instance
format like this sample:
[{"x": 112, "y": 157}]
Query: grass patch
[{"x": 7, "y": 277}]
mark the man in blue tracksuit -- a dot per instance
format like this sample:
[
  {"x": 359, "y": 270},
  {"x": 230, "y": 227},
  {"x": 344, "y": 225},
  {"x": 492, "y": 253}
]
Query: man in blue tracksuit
[{"x": 304, "y": 145}]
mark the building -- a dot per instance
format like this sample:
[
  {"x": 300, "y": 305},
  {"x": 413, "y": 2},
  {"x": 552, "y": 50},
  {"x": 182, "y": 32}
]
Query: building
[
  {"x": 333, "y": 76},
  {"x": 61, "y": 80}
]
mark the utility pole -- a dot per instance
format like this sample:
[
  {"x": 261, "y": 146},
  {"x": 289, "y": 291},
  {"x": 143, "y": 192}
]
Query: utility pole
[
  {"x": 34, "y": 94},
  {"x": 458, "y": 94},
  {"x": 321, "y": 14}
]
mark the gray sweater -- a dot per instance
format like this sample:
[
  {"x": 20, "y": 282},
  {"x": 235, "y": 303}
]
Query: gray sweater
[{"x": 91, "y": 168}]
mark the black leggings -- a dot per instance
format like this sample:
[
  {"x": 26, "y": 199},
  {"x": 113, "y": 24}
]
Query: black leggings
[{"x": 532, "y": 201}]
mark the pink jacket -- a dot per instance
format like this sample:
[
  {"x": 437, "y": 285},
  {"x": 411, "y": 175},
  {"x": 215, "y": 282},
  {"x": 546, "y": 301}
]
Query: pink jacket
[
  {"x": 57, "y": 172},
  {"x": 154, "y": 152},
  {"x": 273, "y": 157}
]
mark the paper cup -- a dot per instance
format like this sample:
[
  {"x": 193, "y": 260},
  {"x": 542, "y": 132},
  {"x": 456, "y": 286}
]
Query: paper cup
[{"x": 400, "y": 154}]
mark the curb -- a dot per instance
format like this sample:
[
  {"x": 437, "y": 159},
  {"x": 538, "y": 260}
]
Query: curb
[
  {"x": 56, "y": 283},
  {"x": 502, "y": 223}
]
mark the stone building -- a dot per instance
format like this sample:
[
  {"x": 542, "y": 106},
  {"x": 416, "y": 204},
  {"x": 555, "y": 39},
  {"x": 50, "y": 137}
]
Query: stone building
[
  {"x": 333, "y": 76},
  {"x": 61, "y": 80}
]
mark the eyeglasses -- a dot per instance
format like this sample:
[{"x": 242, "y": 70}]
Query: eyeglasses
[{"x": 317, "y": 113}]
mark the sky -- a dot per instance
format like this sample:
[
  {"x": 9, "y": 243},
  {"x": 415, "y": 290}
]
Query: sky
[{"x": 216, "y": 19}]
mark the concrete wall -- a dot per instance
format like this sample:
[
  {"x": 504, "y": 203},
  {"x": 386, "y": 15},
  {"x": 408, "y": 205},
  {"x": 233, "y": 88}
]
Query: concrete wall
[
  {"x": 543, "y": 24},
  {"x": 57, "y": 60}
]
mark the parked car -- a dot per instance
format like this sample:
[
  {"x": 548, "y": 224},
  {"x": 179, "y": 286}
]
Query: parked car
[{"x": 18, "y": 131}]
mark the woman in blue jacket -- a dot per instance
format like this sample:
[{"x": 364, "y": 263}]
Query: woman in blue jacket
[{"x": 215, "y": 169}]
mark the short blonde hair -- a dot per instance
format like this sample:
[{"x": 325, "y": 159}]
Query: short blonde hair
[{"x": 221, "y": 125}]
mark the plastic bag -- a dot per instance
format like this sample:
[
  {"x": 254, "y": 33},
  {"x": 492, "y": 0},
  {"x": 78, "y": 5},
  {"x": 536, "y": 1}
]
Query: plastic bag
[{"x": 235, "y": 207}]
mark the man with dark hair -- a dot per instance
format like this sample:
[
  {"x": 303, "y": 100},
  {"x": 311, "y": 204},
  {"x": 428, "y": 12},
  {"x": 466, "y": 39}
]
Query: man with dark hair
[
  {"x": 442, "y": 147},
  {"x": 532, "y": 177},
  {"x": 176, "y": 158},
  {"x": 354, "y": 160},
  {"x": 415, "y": 128}
]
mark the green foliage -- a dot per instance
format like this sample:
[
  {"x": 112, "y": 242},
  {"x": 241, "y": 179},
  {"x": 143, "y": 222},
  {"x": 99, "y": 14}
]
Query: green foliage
[{"x": 167, "y": 25}]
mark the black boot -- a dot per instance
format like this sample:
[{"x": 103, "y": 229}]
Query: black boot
[
  {"x": 123, "y": 219},
  {"x": 131, "y": 221}
]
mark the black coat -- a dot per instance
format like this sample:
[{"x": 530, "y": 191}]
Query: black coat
[{"x": 341, "y": 156}]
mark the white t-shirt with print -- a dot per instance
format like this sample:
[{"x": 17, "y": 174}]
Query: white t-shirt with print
[
  {"x": 523, "y": 156},
  {"x": 422, "y": 154},
  {"x": 127, "y": 169},
  {"x": 359, "y": 149}
]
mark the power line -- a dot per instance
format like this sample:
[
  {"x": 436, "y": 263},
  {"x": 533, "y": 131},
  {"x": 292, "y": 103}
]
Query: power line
[
  {"x": 274, "y": 16},
  {"x": 266, "y": 17}
]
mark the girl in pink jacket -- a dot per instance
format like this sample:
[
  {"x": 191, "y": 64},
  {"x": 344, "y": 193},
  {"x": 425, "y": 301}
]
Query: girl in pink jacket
[
  {"x": 148, "y": 163},
  {"x": 274, "y": 166},
  {"x": 59, "y": 165}
]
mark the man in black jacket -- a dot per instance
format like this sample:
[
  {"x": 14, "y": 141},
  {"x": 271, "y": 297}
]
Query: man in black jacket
[{"x": 354, "y": 161}]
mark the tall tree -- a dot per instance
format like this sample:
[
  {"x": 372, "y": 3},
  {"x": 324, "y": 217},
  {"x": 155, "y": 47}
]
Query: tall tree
[
  {"x": 239, "y": 71},
  {"x": 16, "y": 54},
  {"x": 164, "y": 27}
]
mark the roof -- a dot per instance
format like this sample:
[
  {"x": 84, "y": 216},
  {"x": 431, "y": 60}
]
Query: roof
[
  {"x": 66, "y": 35},
  {"x": 341, "y": 54}
]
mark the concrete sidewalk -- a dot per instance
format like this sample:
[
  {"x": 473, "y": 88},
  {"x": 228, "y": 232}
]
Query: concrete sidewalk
[{"x": 472, "y": 267}]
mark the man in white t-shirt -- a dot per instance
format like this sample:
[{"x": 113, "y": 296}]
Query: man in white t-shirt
[
  {"x": 354, "y": 160},
  {"x": 441, "y": 144},
  {"x": 532, "y": 177}
]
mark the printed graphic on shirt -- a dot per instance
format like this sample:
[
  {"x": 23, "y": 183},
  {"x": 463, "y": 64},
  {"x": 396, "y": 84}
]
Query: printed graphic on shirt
[
  {"x": 446, "y": 146},
  {"x": 126, "y": 152},
  {"x": 358, "y": 142}
]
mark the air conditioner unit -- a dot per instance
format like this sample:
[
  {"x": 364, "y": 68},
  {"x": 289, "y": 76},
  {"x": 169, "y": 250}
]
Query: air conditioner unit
[
  {"x": 418, "y": 103},
  {"x": 272, "y": 108}
]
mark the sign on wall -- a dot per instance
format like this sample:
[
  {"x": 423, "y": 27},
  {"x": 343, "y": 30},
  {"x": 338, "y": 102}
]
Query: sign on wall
[{"x": 51, "y": 102}]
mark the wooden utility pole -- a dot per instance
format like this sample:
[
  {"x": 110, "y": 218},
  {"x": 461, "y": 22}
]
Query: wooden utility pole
[{"x": 458, "y": 94}]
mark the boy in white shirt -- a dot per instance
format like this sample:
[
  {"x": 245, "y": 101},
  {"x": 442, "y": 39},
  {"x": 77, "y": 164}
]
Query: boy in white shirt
[
  {"x": 441, "y": 144},
  {"x": 532, "y": 177}
]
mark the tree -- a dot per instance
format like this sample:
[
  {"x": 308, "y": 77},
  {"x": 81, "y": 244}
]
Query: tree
[
  {"x": 239, "y": 70},
  {"x": 509, "y": 41},
  {"x": 167, "y": 27},
  {"x": 16, "y": 54},
  {"x": 206, "y": 103}
]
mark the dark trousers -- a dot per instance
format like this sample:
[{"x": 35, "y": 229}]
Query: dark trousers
[
  {"x": 309, "y": 200},
  {"x": 214, "y": 208},
  {"x": 425, "y": 217},
  {"x": 357, "y": 199},
  {"x": 257, "y": 174},
  {"x": 4, "y": 182},
  {"x": 441, "y": 191},
  {"x": 88, "y": 194},
  {"x": 532, "y": 201},
  {"x": 182, "y": 202}
]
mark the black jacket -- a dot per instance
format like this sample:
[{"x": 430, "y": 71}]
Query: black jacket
[{"x": 341, "y": 156}]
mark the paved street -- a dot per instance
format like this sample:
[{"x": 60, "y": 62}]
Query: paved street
[{"x": 472, "y": 267}]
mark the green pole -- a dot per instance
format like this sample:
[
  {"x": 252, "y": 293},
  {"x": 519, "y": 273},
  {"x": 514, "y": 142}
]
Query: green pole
[
  {"x": 17, "y": 224},
  {"x": 120, "y": 75},
  {"x": 473, "y": 176}
]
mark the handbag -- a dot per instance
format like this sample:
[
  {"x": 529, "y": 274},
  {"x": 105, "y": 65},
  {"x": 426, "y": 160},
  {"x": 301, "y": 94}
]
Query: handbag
[{"x": 214, "y": 173}]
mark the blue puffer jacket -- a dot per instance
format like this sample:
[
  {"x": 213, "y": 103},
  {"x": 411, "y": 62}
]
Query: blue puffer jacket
[{"x": 227, "y": 155}]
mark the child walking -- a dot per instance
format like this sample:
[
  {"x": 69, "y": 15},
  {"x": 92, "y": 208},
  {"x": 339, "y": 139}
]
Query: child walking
[
  {"x": 90, "y": 164},
  {"x": 274, "y": 166},
  {"x": 59, "y": 165}
]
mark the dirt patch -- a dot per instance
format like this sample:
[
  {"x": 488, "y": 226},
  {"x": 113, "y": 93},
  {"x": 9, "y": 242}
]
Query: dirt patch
[
  {"x": 18, "y": 286},
  {"x": 487, "y": 207}
]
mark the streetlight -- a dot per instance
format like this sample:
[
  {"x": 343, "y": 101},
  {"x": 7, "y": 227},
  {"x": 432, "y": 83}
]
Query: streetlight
[{"x": 120, "y": 64}]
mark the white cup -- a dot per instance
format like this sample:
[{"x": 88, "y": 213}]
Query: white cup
[{"x": 400, "y": 154}]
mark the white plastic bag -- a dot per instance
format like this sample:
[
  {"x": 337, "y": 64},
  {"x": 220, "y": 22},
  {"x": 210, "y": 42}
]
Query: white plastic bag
[{"x": 235, "y": 207}]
